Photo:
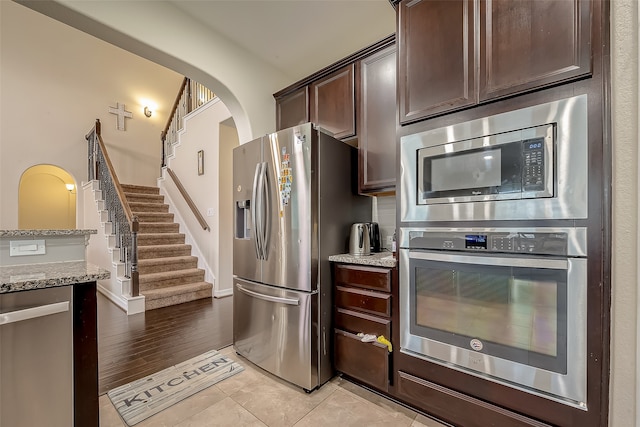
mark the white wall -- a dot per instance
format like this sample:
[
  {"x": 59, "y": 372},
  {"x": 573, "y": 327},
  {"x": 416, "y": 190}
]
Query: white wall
[
  {"x": 55, "y": 82},
  {"x": 624, "y": 398},
  {"x": 209, "y": 129},
  {"x": 164, "y": 34},
  {"x": 228, "y": 141}
]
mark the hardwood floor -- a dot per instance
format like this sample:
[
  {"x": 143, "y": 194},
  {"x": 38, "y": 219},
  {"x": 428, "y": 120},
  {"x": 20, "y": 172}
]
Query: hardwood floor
[{"x": 131, "y": 347}]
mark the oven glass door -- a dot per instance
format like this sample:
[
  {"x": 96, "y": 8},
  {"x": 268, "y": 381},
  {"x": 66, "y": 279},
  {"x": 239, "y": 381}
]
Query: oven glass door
[
  {"x": 517, "y": 313},
  {"x": 516, "y": 318}
]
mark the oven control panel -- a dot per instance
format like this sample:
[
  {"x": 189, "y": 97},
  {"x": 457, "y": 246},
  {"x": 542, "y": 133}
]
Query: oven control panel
[{"x": 539, "y": 243}]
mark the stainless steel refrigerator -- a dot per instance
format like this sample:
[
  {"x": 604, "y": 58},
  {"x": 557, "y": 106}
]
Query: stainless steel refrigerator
[{"x": 294, "y": 202}]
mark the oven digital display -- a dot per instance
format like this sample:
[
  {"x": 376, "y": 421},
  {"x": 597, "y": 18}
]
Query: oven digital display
[{"x": 475, "y": 241}]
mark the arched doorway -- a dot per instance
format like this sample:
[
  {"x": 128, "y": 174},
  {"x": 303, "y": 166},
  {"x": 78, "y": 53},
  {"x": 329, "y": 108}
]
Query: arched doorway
[{"x": 46, "y": 199}]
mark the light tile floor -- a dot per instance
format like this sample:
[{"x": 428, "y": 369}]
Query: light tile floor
[{"x": 254, "y": 397}]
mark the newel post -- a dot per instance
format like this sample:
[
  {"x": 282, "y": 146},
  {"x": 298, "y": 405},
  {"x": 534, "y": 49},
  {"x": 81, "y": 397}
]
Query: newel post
[{"x": 135, "y": 283}]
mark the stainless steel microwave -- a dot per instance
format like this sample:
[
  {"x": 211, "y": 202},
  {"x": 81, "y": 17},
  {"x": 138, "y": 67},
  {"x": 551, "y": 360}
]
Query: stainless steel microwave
[
  {"x": 523, "y": 164},
  {"x": 511, "y": 165}
]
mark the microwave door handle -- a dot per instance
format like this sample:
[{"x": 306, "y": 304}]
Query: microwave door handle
[
  {"x": 552, "y": 264},
  {"x": 267, "y": 211},
  {"x": 270, "y": 298},
  {"x": 255, "y": 207}
]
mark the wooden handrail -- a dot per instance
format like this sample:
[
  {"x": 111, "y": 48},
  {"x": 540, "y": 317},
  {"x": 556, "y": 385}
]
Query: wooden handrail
[
  {"x": 175, "y": 107},
  {"x": 112, "y": 173},
  {"x": 189, "y": 201}
]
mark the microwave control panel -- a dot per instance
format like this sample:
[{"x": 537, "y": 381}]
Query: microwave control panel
[
  {"x": 533, "y": 165},
  {"x": 510, "y": 242}
]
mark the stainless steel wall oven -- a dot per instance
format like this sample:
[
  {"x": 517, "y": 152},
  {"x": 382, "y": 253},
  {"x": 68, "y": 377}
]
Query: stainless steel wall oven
[
  {"x": 505, "y": 304},
  {"x": 501, "y": 292}
]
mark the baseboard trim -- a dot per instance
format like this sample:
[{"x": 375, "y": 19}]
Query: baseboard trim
[
  {"x": 130, "y": 306},
  {"x": 223, "y": 293}
]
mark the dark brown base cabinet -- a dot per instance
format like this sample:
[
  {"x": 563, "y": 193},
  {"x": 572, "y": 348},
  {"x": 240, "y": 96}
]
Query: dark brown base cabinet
[{"x": 362, "y": 301}]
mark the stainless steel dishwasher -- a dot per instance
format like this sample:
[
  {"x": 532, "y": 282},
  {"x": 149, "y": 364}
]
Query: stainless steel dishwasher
[{"x": 36, "y": 358}]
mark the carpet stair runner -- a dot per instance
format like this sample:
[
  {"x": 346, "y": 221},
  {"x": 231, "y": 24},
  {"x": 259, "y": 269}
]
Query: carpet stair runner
[{"x": 168, "y": 272}]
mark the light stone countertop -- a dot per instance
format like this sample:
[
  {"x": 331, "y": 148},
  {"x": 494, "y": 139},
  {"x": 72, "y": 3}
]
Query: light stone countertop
[
  {"x": 27, "y": 277},
  {"x": 29, "y": 233},
  {"x": 380, "y": 259}
]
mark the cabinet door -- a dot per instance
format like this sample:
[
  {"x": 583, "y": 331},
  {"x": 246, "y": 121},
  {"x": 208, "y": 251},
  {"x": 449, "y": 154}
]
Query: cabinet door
[
  {"x": 377, "y": 124},
  {"x": 436, "y": 71},
  {"x": 333, "y": 102},
  {"x": 293, "y": 109},
  {"x": 364, "y": 361},
  {"x": 527, "y": 44}
]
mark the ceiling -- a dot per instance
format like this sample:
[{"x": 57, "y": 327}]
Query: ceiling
[{"x": 298, "y": 37}]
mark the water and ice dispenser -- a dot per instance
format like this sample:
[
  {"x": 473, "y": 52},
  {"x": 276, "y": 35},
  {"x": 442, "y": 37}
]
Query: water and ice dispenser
[{"x": 243, "y": 219}]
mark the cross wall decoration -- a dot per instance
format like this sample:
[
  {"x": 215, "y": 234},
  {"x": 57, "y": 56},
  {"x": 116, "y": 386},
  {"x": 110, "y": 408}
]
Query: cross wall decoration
[{"x": 121, "y": 113}]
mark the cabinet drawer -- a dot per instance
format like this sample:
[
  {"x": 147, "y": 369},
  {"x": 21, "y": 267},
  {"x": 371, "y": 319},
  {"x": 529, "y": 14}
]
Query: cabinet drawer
[
  {"x": 442, "y": 402},
  {"x": 364, "y": 361},
  {"x": 364, "y": 277},
  {"x": 363, "y": 300},
  {"x": 355, "y": 322}
]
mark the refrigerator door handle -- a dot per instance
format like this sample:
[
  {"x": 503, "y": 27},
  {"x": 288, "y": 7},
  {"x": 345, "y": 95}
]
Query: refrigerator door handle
[
  {"x": 260, "y": 210},
  {"x": 267, "y": 219},
  {"x": 255, "y": 208},
  {"x": 289, "y": 301}
]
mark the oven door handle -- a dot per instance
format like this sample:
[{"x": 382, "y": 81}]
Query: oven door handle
[{"x": 554, "y": 264}]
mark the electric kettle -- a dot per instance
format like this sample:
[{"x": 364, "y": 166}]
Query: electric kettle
[
  {"x": 360, "y": 239},
  {"x": 374, "y": 236}
]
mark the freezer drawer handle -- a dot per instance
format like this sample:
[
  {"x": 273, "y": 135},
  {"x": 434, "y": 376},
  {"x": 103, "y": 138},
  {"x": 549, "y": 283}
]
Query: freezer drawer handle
[
  {"x": 32, "y": 313},
  {"x": 290, "y": 301}
]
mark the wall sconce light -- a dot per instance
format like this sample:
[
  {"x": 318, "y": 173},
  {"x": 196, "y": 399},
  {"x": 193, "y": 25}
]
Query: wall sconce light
[
  {"x": 147, "y": 112},
  {"x": 70, "y": 187}
]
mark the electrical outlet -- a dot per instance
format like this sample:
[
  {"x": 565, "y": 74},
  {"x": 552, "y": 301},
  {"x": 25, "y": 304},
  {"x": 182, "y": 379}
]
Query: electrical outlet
[{"x": 210, "y": 212}]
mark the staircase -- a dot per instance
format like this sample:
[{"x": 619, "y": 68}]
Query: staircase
[{"x": 168, "y": 273}]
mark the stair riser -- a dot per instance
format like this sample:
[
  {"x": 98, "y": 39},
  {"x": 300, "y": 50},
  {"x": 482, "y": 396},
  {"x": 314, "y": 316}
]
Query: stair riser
[
  {"x": 163, "y": 252},
  {"x": 166, "y": 239},
  {"x": 145, "y": 198},
  {"x": 127, "y": 188},
  {"x": 168, "y": 266},
  {"x": 155, "y": 217},
  {"x": 152, "y": 227},
  {"x": 148, "y": 207},
  {"x": 178, "y": 299},
  {"x": 173, "y": 281}
]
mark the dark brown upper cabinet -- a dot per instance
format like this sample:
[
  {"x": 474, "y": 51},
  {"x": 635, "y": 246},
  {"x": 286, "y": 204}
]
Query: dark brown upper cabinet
[
  {"x": 532, "y": 43},
  {"x": 435, "y": 57},
  {"x": 355, "y": 100},
  {"x": 293, "y": 109},
  {"x": 332, "y": 101},
  {"x": 446, "y": 63},
  {"x": 377, "y": 122}
]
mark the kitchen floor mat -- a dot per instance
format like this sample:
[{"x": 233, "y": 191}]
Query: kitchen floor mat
[{"x": 147, "y": 396}]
